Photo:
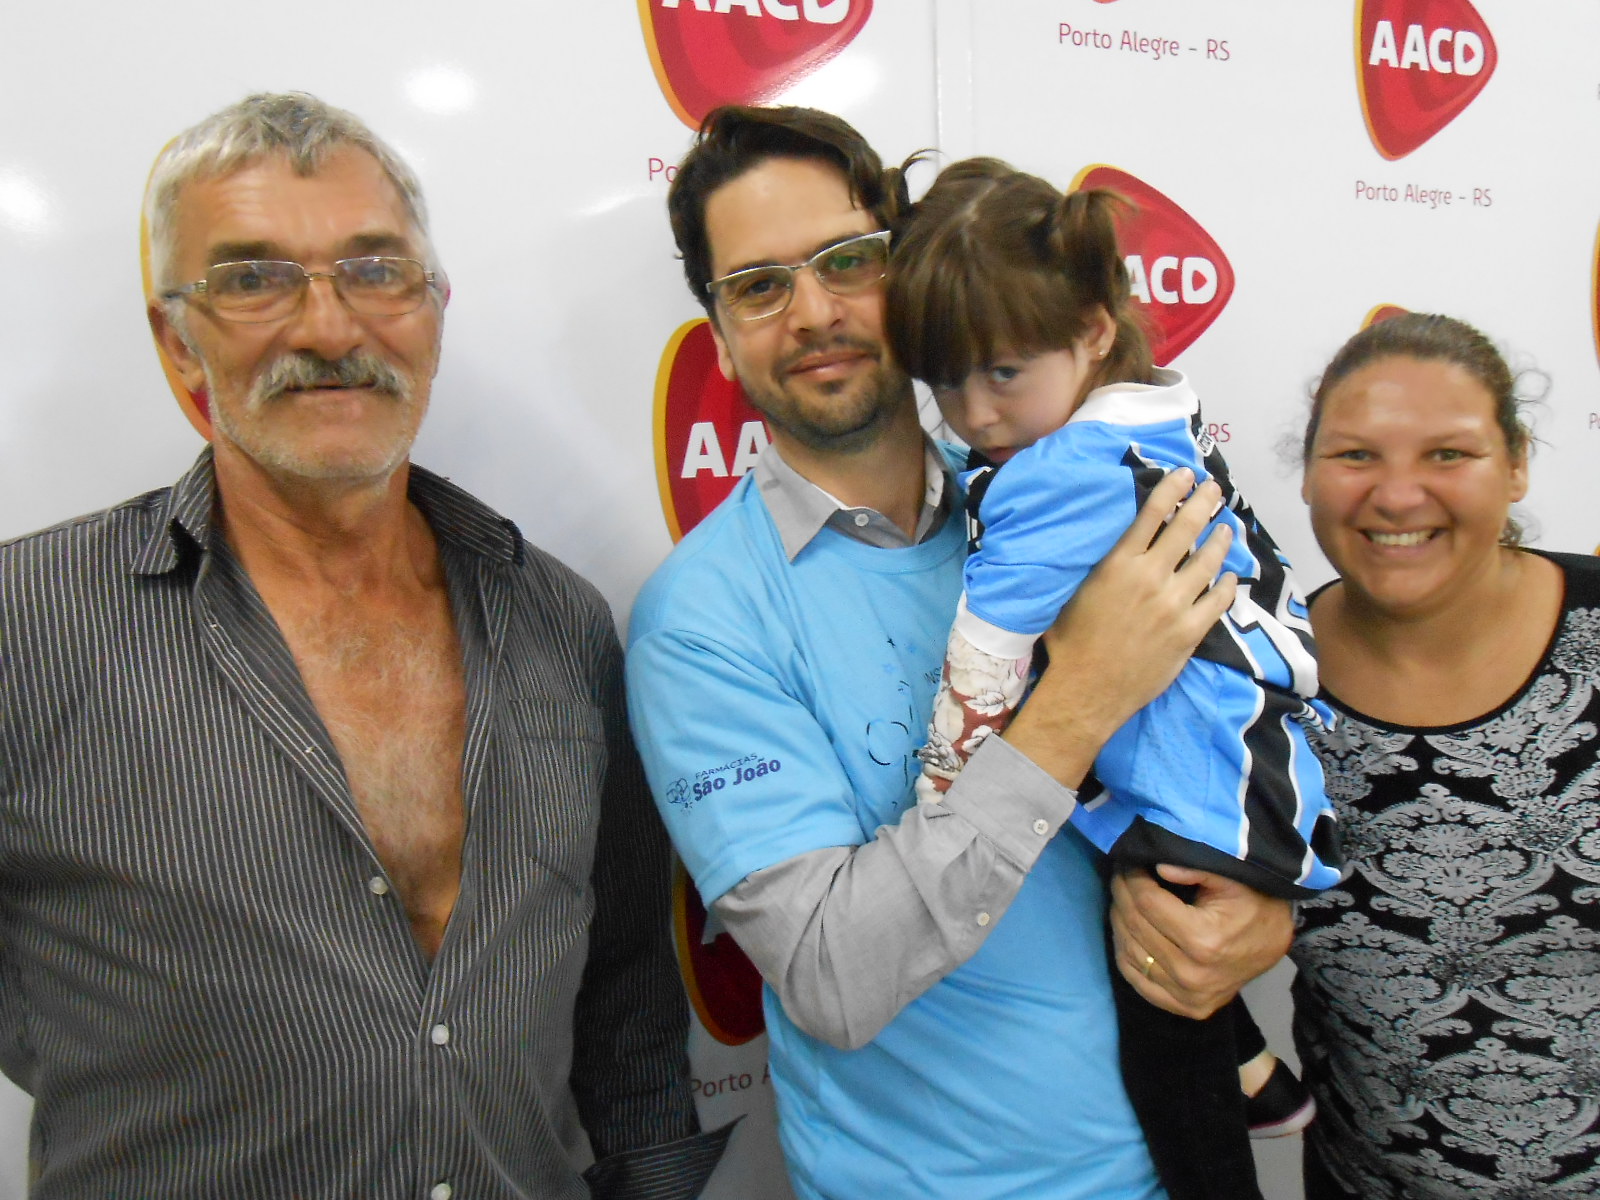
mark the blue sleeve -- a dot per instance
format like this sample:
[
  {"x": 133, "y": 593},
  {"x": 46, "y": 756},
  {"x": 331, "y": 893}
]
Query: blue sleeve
[
  {"x": 1049, "y": 516},
  {"x": 716, "y": 730}
]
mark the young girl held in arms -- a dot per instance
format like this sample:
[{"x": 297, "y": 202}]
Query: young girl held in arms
[{"x": 1012, "y": 302}]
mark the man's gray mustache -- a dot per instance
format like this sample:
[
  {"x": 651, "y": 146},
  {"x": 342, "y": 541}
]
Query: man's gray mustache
[{"x": 301, "y": 371}]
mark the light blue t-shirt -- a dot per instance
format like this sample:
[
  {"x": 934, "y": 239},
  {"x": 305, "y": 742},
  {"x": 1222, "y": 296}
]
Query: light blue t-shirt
[{"x": 778, "y": 706}]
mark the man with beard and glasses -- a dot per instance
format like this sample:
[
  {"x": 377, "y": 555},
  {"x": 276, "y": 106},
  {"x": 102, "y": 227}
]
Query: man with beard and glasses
[
  {"x": 938, "y": 995},
  {"x": 328, "y": 866}
]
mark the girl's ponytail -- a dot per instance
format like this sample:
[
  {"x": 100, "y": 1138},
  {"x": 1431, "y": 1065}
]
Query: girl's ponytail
[
  {"x": 994, "y": 260},
  {"x": 1082, "y": 241}
]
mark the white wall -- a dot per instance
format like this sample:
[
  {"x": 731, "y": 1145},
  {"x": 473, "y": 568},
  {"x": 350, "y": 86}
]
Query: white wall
[{"x": 539, "y": 131}]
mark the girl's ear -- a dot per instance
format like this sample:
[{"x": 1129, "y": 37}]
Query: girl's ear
[{"x": 1101, "y": 333}]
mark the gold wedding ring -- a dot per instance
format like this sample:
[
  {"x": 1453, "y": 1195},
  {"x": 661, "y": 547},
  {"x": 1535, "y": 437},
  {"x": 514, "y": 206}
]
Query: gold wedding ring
[{"x": 1149, "y": 961}]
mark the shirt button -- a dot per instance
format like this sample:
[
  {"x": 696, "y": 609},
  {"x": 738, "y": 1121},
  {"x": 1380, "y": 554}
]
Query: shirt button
[
  {"x": 983, "y": 918},
  {"x": 379, "y": 886},
  {"x": 1041, "y": 827},
  {"x": 441, "y": 1191},
  {"x": 439, "y": 1035},
  {"x": 861, "y": 520}
]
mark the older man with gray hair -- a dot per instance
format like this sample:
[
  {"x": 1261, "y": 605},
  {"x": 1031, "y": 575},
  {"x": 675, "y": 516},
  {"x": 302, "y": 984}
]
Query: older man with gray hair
[{"x": 328, "y": 867}]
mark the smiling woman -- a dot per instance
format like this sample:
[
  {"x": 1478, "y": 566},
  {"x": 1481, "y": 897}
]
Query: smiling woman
[{"x": 1446, "y": 1002}]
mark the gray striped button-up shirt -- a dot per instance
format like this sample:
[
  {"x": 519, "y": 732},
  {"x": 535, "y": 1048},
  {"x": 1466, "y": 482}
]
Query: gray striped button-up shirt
[{"x": 209, "y": 986}]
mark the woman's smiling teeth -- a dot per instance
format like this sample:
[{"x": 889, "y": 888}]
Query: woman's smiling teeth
[{"x": 1414, "y": 538}]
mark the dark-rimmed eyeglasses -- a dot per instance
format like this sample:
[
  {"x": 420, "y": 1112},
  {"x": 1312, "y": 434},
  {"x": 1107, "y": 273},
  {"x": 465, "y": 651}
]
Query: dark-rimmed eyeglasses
[
  {"x": 844, "y": 268},
  {"x": 261, "y": 291}
]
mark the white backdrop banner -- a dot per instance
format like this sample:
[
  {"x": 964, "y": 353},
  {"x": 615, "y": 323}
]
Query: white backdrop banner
[{"x": 1297, "y": 167}]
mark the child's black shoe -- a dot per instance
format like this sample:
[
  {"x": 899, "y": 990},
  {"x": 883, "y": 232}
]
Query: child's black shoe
[{"x": 1281, "y": 1107}]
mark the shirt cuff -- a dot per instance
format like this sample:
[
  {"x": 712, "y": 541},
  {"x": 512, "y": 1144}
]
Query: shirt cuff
[
  {"x": 1010, "y": 800},
  {"x": 671, "y": 1171}
]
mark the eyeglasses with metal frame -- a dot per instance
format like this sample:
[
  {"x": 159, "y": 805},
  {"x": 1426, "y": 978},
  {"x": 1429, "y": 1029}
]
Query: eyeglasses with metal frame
[
  {"x": 844, "y": 268},
  {"x": 255, "y": 292}
]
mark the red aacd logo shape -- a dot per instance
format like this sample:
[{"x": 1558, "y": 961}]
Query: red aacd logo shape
[
  {"x": 711, "y": 52},
  {"x": 723, "y": 986},
  {"x": 196, "y": 405},
  {"x": 1180, "y": 276},
  {"x": 1419, "y": 63},
  {"x": 1383, "y": 312},
  {"x": 706, "y": 436},
  {"x": 1595, "y": 299}
]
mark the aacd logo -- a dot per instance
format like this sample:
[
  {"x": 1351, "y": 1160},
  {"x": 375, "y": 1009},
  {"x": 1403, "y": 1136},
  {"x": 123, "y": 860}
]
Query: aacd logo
[
  {"x": 711, "y": 52},
  {"x": 1178, "y": 273},
  {"x": 706, "y": 433},
  {"x": 706, "y": 437},
  {"x": 723, "y": 986},
  {"x": 196, "y": 405},
  {"x": 1594, "y": 302},
  {"x": 1419, "y": 64},
  {"x": 1380, "y": 313}
]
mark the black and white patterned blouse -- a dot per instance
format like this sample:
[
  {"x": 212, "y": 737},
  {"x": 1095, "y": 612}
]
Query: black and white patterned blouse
[{"x": 1448, "y": 1002}]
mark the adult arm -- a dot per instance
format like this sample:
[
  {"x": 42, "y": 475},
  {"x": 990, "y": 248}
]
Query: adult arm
[
  {"x": 848, "y": 935},
  {"x": 630, "y": 1071},
  {"x": 1203, "y": 952}
]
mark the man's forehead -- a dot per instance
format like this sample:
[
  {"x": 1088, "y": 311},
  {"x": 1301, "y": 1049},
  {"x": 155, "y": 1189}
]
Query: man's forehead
[
  {"x": 268, "y": 199},
  {"x": 781, "y": 210}
]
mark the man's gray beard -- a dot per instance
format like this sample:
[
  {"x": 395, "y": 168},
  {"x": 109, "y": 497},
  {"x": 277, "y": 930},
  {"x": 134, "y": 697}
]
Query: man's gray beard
[{"x": 305, "y": 370}]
